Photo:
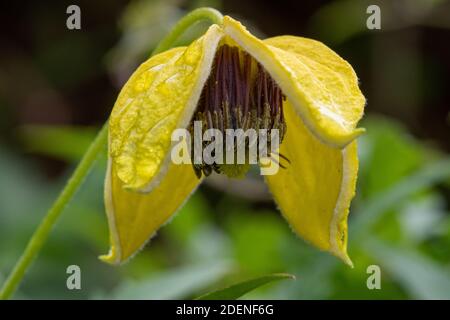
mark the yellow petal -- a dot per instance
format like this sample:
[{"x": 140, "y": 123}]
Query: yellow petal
[
  {"x": 159, "y": 97},
  {"x": 315, "y": 190},
  {"x": 322, "y": 87},
  {"x": 134, "y": 218}
]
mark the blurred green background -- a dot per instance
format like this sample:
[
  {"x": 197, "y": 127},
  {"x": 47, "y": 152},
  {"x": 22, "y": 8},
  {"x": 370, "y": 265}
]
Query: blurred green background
[{"x": 57, "y": 86}]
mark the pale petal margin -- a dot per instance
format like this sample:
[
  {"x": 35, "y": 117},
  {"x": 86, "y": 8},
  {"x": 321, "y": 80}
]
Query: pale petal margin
[
  {"x": 159, "y": 97},
  {"x": 315, "y": 190},
  {"x": 322, "y": 86},
  {"x": 134, "y": 218}
]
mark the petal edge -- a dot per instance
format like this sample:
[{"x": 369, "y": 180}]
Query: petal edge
[
  {"x": 133, "y": 218},
  {"x": 159, "y": 97},
  {"x": 315, "y": 190},
  {"x": 304, "y": 88}
]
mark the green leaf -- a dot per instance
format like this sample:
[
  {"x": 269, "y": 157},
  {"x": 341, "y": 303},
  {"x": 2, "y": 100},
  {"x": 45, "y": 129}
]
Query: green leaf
[
  {"x": 176, "y": 283},
  {"x": 238, "y": 290},
  {"x": 390, "y": 144},
  {"x": 420, "y": 276},
  {"x": 370, "y": 212}
]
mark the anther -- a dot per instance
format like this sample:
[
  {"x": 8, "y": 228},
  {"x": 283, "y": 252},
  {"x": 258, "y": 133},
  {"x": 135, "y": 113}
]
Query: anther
[{"x": 239, "y": 94}]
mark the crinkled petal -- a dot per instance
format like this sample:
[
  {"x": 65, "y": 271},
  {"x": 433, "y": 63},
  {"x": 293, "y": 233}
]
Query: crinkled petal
[
  {"x": 159, "y": 97},
  {"x": 315, "y": 190},
  {"x": 134, "y": 218},
  {"x": 322, "y": 87}
]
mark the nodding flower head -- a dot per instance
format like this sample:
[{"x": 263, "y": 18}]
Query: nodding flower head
[{"x": 230, "y": 80}]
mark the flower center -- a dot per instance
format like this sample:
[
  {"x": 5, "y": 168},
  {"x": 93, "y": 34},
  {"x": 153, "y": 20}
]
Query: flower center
[{"x": 239, "y": 94}]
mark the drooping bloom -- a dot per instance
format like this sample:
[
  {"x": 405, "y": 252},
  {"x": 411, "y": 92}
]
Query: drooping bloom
[{"x": 230, "y": 79}]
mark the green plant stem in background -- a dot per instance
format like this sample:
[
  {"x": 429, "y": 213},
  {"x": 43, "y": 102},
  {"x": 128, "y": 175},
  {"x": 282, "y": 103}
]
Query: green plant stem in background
[
  {"x": 42, "y": 232},
  {"x": 40, "y": 235},
  {"x": 186, "y": 22}
]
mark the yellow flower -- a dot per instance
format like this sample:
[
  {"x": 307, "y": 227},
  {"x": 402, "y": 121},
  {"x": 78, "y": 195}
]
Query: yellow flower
[{"x": 316, "y": 92}]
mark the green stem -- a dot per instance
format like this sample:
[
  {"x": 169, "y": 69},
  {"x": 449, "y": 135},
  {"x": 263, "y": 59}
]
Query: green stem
[
  {"x": 40, "y": 235},
  {"x": 42, "y": 232},
  {"x": 184, "y": 23}
]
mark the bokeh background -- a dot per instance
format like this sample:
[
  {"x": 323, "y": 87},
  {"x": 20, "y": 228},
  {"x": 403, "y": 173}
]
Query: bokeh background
[{"x": 57, "y": 86}]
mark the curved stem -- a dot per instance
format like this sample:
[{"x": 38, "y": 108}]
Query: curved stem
[
  {"x": 187, "y": 21},
  {"x": 42, "y": 232},
  {"x": 40, "y": 235}
]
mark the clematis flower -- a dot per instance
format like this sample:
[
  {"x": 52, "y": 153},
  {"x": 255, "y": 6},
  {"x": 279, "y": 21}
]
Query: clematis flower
[{"x": 295, "y": 84}]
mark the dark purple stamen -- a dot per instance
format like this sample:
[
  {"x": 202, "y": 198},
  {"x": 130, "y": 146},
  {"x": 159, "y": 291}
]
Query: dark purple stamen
[{"x": 239, "y": 94}]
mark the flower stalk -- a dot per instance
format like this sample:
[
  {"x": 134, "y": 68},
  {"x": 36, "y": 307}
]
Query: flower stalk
[
  {"x": 192, "y": 18},
  {"x": 42, "y": 232}
]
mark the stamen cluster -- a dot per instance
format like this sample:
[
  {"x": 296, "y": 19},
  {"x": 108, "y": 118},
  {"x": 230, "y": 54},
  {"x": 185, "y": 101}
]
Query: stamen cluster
[{"x": 239, "y": 94}]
